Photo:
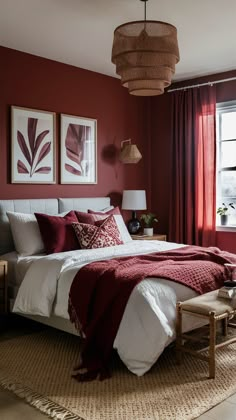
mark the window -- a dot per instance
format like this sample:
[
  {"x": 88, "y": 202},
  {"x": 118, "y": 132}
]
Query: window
[{"x": 226, "y": 158}]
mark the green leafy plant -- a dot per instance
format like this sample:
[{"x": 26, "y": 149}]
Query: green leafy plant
[
  {"x": 148, "y": 219},
  {"x": 223, "y": 210}
]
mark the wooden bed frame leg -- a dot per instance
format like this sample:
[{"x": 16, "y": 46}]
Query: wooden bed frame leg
[
  {"x": 212, "y": 345},
  {"x": 179, "y": 341}
]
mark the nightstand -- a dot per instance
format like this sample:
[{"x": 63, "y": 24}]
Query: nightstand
[
  {"x": 157, "y": 237},
  {"x": 3, "y": 287}
]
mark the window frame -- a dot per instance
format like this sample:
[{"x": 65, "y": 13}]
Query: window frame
[{"x": 221, "y": 108}]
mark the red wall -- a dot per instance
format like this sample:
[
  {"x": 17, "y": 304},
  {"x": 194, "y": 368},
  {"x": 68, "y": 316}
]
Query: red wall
[
  {"x": 35, "y": 82},
  {"x": 38, "y": 83},
  {"x": 161, "y": 151}
]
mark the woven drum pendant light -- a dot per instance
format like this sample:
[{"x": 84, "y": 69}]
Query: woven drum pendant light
[{"x": 145, "y": 54}]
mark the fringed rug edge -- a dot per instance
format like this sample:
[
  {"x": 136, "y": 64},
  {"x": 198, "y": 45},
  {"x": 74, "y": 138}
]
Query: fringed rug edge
[{"x": 41, "y": 403}]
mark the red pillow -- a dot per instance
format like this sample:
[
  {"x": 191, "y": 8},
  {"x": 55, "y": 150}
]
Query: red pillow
[
  {"x": 98, "y": 235},
  {"x": 115, "y": 211},
  {"x": 87, "y": 218},
  {"x": 92, "y": 216},
  {"x": 57, "y": 232}
]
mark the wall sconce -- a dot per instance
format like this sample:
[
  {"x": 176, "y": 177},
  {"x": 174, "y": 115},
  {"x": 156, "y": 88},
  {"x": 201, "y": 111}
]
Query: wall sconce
[{"x": 129, "y": 152}]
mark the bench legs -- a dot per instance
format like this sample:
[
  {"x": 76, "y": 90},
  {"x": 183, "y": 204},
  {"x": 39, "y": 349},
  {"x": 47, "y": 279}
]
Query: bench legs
[
  {"x": 179, "y": 341},
  {"x": 224, "y": 327},
  {"x": 212, "y": 345},
  {"x": 191, "y": 307},
  {"x": 212, "y": 340}
]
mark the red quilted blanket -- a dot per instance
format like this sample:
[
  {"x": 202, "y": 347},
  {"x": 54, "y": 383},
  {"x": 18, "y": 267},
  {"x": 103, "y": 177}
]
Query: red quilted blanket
[{"x": 100, "y": 291}]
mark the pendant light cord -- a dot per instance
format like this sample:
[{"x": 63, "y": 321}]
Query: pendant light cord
[{"x": 145, "y": 9}]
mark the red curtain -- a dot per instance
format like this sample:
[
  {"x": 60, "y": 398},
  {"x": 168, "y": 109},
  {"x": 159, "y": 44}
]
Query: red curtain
[{"x": 193, "y": 187}]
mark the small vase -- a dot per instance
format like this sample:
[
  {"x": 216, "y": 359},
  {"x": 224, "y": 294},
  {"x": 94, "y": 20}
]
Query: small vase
[
  {"x": 224, "y": 219},
  {"x": 148, "y": 231}
]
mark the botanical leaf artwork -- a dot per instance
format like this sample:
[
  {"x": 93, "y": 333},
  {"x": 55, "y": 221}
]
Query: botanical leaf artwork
[
  {"x": 33, "y": 150},
  {"x": 75, "y": 149}
]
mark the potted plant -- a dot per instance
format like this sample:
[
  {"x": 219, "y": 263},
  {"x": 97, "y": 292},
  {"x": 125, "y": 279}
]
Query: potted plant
[
  {"x": 223, "y": 212},
  {"x": 148, "y": 221}
]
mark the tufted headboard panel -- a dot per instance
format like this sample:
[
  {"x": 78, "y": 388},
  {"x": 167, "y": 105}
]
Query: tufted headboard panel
[
  {"x": 47, "y": 205},
  {"x": 83, "y": 204}
]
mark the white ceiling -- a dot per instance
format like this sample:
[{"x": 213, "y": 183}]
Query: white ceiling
[{"x": 80, "y": 32}]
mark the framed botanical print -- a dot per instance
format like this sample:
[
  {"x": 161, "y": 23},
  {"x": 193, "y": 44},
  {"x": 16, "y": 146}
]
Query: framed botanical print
[
  {"x": 78, "y": 150},
  {"x": 33, "y": 146}
]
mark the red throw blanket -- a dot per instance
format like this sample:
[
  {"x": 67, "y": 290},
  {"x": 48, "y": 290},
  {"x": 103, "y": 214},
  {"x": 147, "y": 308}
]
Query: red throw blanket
[{"x": 100, "y": 291}]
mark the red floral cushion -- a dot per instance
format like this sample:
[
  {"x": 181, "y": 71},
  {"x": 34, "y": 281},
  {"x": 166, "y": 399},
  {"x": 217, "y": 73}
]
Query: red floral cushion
[
  {"x": 57, "y": 232},
  {"x": 101, "y": 234}
]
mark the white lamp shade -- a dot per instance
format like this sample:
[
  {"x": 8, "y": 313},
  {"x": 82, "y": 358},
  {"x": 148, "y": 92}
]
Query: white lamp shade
[{"x": 134, "y": 200}]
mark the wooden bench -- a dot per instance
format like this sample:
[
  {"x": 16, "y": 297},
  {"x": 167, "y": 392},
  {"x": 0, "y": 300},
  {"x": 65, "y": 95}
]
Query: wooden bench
[{"x": 213, "y": 309}]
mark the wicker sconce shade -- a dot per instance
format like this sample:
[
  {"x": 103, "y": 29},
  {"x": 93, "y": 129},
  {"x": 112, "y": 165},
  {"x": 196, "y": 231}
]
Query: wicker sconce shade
[
  {"x": 129, "y": 152},
  {"x": 145, "y": 54}
]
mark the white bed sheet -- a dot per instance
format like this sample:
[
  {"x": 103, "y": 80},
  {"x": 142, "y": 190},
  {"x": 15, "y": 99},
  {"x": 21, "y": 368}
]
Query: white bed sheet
[{"x": 148, "y": 323}]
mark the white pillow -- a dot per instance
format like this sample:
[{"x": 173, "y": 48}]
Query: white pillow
[
  {"x": 26, "y": 233},
  {"x": 124, "y": 233}
]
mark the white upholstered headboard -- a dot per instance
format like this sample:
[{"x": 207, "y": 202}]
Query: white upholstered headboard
[
  {"x": 47, "y": 205},
  {"x": 83, "y": 204}
]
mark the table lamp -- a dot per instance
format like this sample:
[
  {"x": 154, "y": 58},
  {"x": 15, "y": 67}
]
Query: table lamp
[{"x": 134, "y": 200}]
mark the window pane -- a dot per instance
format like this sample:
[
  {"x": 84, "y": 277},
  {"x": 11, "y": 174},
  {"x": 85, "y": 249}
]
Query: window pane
[
  {"x": 228, "y": 184},
  {"x": 228, "y": 125},
  {"x": 228, "y": 154},
  {"x": 226, "y": 158}
]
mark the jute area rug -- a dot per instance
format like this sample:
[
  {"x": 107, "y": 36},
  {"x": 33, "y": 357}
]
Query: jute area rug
[{"x": 38, "y": 366}]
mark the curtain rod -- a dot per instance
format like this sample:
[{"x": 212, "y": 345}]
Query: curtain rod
[{"x": 203, "y": 84}]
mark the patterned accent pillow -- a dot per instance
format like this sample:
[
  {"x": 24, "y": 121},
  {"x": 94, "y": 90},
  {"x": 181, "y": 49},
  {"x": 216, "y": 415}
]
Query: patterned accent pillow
[
  {"x": 92, "y": 216},
  {"x": 102, "y": 234}
]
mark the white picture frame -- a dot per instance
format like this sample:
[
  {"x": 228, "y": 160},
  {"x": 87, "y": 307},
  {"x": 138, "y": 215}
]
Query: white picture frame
[
  {"x": 33, "y": 146},
  {"x": 78, "y": 150}
]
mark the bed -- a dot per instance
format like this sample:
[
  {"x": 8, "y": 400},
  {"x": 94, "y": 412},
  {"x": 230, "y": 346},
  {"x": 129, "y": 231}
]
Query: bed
[{"x": 39, "y": 285}]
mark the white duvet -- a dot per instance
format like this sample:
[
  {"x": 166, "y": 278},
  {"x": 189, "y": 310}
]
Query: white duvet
[{"x": 148, "y": 323}]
